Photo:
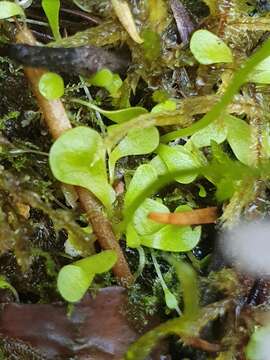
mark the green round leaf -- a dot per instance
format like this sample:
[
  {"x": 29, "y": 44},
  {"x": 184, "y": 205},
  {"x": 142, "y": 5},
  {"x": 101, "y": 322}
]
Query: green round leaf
[
  {"x": 173, "y": 238},
  {"x": 9, "y": 9},
  {"x": 132, "y": 238},
  {"x": 261, "y": 73},
  {"x": 216, "y": 131},
  {"x": 137, "y": 142},
  {"x": 208, "y": 48},
  {"x": 99, "y": 263},
  {"x": 142, "y": 224},
  {"x": 178, "y": 158},
  {"x": 51, "y": 86},
  {"x": 144, "y": 175},
  {"x": 102, "y": 78},
  {"x": 239, "y": 138},
  {"x": 78, "y": 158},
  {"x": 73, "y": 282}
]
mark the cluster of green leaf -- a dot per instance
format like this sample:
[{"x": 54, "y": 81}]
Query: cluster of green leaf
[{"x": 155, "y": 135}]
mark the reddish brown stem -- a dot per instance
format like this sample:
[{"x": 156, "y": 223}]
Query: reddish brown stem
[
  {"x": 57, "y": 122},
  {"x": 193, "y": 217}
]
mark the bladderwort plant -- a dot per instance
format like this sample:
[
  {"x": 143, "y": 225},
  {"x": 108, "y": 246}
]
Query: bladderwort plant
[{"x": 164, "y": 148}]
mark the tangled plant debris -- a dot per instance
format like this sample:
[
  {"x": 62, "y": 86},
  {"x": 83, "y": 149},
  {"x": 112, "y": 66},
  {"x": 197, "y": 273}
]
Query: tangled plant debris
[{"x": 135, "y": 150}]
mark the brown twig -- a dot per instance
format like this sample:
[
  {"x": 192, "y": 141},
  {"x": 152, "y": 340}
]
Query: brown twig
[
  {"x": 203, "y": 344},
  {"x": 193, "y": 217},
  {"x": 57, "y": 121}
]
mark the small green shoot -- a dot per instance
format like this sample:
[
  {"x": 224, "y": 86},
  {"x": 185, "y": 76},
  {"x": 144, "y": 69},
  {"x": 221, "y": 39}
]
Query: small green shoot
[
  {"x": 105, "y": 78},
  {"x": 78, "y": 158},
  {"x": 167, "y": 105},
  {"x": 74, "y": 280},
  {"x": 51, "y": 9},
  {"x": 51, "y": 86},
  {"x": 9, "y": 9},
  {"x": 101, "y": 78},
  {"x": 170, "y": 299},
  {"x": 117, "y": 116},
  {"x": 137, "y": 142},
  {"x": 6, "y": 285},
  {"x": 208, "y": 48}
]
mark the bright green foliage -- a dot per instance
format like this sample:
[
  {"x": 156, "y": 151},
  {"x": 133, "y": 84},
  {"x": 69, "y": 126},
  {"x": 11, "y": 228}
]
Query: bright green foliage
[
  {"x": 167, "y": 105},
  {"x": 239, "y": 138},
  {"x": 236, "y": 131},
  {"x": 224, "y": 173},
  {"x": 261, "y": 73},
  {"x": 159, "y": 236},
  {"x": 239, "y": 78},
  {"x": 137, "y": 142},
  {"x": 173, "y": 238},
  {"x": 144, "y": 176},
  {"x": 216, "y": 131},
  {"x": 51, "y": 86},
  {"x": 170, "y": 299},
  {"x": 151, "y": 44},
  {"x": 51, "y": 9},
  {"x": 74, "y": 279},
  {"x": 189, "y": 324},
  {"x": 142, "y": 224},
  {"x": 6, "y": 285},
  {"x": 78, "y": 158},
  {"x": 105, "y": 78},
  {"x": 9, "y": 9},
  {"x": 101, "y": 78},
  {"x": 159, "y": 165},
  {"x": 258, "y": 346},
  {"x": 189, "y": 283},
  {"x": 118, "y": 116},
  {"x": 178, "y": 158},
  {"x": 208, "y": 48}
]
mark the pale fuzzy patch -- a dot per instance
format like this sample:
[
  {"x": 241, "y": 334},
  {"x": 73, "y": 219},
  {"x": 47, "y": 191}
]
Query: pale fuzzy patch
[{"x": 247, "y": 245}]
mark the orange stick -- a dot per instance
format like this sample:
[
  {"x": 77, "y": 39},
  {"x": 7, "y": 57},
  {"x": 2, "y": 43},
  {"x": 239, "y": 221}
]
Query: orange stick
[{"x": 192, "y": 217}]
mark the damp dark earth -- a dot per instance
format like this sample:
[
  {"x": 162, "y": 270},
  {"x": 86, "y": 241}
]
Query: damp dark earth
[{"x": 134, "y": 179}]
